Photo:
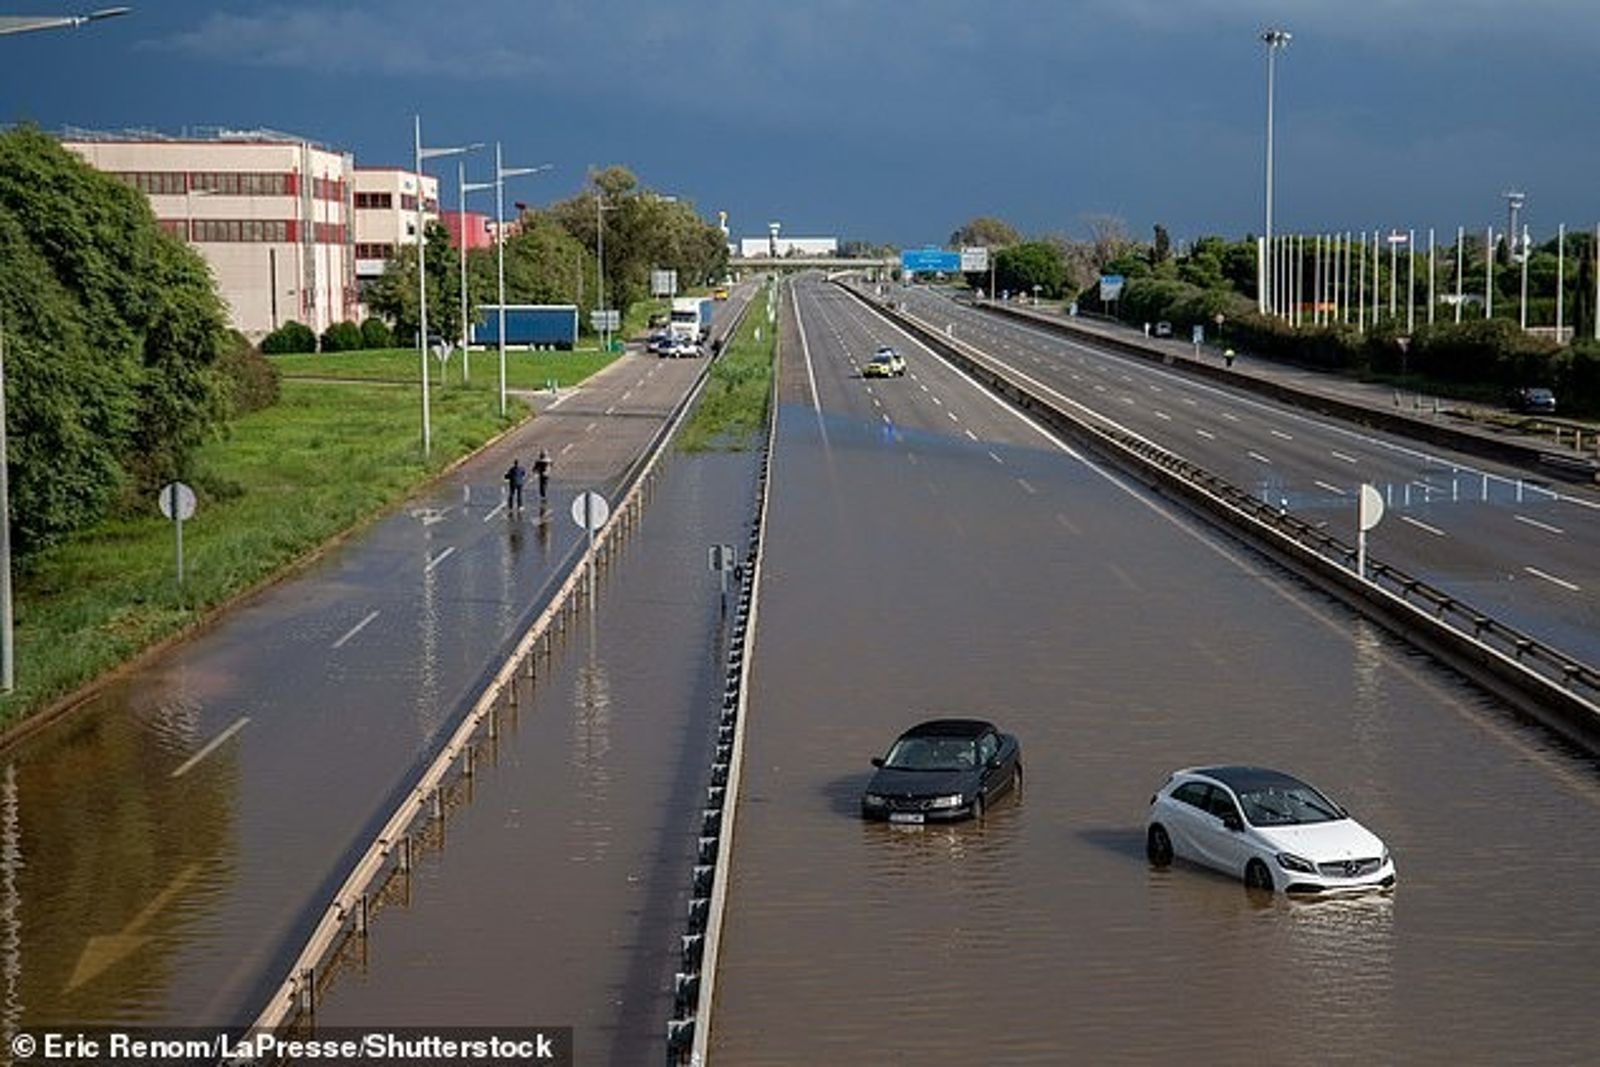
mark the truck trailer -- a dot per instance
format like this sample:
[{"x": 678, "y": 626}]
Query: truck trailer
[
  {"x": 528, "y": 325},
  {"x": 691, "y": 318}
]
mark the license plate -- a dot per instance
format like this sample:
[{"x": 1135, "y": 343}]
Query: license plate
[{"x": 912, "y": 817}]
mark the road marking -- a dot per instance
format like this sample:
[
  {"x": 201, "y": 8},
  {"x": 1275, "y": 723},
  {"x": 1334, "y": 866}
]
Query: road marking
[
  {"x": 1067, "y": 523},
  {"x": 627, "y": 394},
  {"x": 884, "y": 416},
  {"x": 1330, "y": 488},
  {"x": 1191, "y": 401},
  {"x": 440, "y": 558},
  {"x": 216, "y": 742},
  {"x": 953, "y": 417},
  {"x": 1562, "y": 582},
  {"x": 1280, "y": 434},
  {"x": 1030, "y": 489},
  {"x": 970, "y": 435},
  {"x": 1154, "y": 388},
  {"x": 498, "y": 508},
  {"x": 1162, "y": 415},
  {"x": 936, "y": 400},
  {"x": 362, "y": 625},
  {"x": 1207, "y": 434},
  {"x": 1341, "y": 455},
  {"x": 996, "y": 458},
  {"x": 589, "y": 428},
  {"x": 1230, "y": 416},
  {"x": 565, "y": 448},
  {"x": 1545, "y": 526},
  {"x": 1419, "y": 524},
  {"x": 877, "y": 403},
  {"x": 805, "y": 349},
  {"x": 1259, "y": 458}
]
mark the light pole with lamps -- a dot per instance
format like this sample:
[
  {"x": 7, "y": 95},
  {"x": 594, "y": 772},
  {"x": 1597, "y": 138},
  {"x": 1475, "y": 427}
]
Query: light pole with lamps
[
  {"x": 501, "y": 173},
  {"x": 422, "y": 267},
  {"x": 1274, "y": 39}
]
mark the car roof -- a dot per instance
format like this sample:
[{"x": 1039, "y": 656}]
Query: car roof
[
  {"x": 1247, "y": 779},
  {"x": 950, "y": 728}
]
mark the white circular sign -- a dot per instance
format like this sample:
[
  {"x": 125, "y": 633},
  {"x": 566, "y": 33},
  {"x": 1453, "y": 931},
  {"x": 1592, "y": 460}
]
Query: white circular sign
[
  {"x": 1370, "y": 510},
  {"x": 176, "y": 500},
  {"x": 590, "y": 511}
]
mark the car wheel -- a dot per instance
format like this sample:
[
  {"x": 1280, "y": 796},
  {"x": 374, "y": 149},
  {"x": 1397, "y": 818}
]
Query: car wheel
[
  {"x": 1256, "y": 876},
  {"x": 1016, "y": 780},
  {"x": 1158, "y": 846},
  {"x": 977, "y": 806}
]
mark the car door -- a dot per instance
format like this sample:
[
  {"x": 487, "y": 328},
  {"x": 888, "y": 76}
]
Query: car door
[
  {"x": 1185, "y": 816},
  {"x": 1229, "y": 848},
  {"x": 990, "y": 769}
]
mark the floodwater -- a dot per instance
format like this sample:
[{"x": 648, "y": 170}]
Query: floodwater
[
  {"x": 905, "y": 579},
  {"x": 560, "y": 891}
]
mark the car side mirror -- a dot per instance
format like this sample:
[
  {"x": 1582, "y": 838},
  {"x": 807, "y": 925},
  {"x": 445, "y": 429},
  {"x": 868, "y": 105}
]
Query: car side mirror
[
  {"x": 877, "y": 761},
  {"x": 1233, "y": 822}
]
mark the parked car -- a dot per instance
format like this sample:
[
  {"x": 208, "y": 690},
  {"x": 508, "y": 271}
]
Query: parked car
[
  {"x": 943, "y": 769},
  {"x": 1535, "y": 400},
  {"x": 1267, "y": 827}
]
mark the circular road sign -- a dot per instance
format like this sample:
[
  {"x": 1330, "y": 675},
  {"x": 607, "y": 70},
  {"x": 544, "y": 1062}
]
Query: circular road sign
[
  {"x": 590, "y": 511},
  {"x": 1370, "y": 508},
  {"x": 176, "y": 500}
]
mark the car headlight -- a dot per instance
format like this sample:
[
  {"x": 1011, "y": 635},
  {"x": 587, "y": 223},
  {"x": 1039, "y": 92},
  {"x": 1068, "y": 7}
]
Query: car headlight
[
  {"x": 954, "y": 800},
  {"x": 1290, "y": 862},
  {"x": 872, "y": 800}
]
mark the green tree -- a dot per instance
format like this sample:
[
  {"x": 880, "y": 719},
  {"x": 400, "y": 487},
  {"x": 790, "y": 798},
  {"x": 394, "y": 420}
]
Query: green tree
[
  {"x": 985, "y": 230},
  {"x": 1161, "y": 246},
  {"x": 289, "y": 339},
  {"x": 1022, "y": 266},
  {"x": 342, "y": 337},
  {"x": 394, "y": 293},
  {"x": 375, "y": 333},
  {"x": 113, "y": 335}
]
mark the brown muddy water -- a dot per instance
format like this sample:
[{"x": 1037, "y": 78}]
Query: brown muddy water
[{"x": 1120, "y": 641}]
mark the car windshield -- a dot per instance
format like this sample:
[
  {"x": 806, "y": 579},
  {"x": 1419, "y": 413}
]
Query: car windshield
[
  {"x": 1285, "y": 805},
  {"x": 932, "y": 754}
]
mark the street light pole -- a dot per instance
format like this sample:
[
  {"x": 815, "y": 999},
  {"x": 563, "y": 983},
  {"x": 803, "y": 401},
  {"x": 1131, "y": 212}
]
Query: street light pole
[
  {"x": 1274, "y": 39},
  {"x": 422, "y": 271},
  {"x": 461, "y": 247},
  {"x": 8, "y": 672},
  {"x": 501, "y": 173}
]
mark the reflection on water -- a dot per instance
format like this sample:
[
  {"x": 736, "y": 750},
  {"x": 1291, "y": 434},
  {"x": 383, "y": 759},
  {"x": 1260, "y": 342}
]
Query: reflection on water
[{"x": 591, "y": 752}]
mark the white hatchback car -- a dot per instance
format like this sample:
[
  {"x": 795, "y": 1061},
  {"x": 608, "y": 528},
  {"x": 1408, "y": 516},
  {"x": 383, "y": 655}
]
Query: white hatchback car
[{"x": 1268, "y": 827}]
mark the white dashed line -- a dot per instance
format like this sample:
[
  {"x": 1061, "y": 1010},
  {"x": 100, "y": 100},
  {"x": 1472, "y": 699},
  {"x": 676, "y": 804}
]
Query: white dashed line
[
  {"x": 1026, "y": 487},
  {"x": 970, "y": 434},
  {"x": 440, "y": 558},
  {"x": 1345, "y": 458},
  {"x": 1330, "y": 488},
  {"x": 953, "y": 417},
  {"x": 565, "y": 449},
  {"x": 996, "y": 458},
  {"x": 1230, "y": 416},
  {"x": 357, "y": 628},
  {"x": 216, "y": 743},
  {"x": 589, "y": 428},
  {"x": 1536, "y": 524},
  {"x": 610, "y": 409},
  {"x": 1163, "y": 416},
  {"x": 1259, "y": 458},
  {"x": 936, "y": 400},
  {"x": 1281, "y": 435},
  {"x": 1419, "y": 524},
  {"x": 1562, "y": 582},
  {"x": 1207, "y": 434},
  {"x": 498, "y": 508}
]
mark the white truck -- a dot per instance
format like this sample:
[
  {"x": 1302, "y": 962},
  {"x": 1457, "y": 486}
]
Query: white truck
[{"x": 691, "y": 318}]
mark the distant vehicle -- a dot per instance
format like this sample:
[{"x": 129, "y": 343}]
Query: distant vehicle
[
  {"x": 660, "y": 342},
  {"x": 1534, "y": 400},
  {"x": 943, "y": 770},
  {"x": 879, "y": 366},
  {"x": 897, "y": 362},
  {"x": 1163, "y": 329},
  {"x": 691, "y": 317},
  {"x": 683, "y": 348},
  {"x": 530, "y": 325},
  {"x": 720, "y": 293},
  {"x": 1270, "y": 828}
]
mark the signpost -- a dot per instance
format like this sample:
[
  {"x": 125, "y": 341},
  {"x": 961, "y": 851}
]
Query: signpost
[
  {"x": 1110, "y": 288},
  {"x": 607, "y": 321},
  {"x": 974, "y": 260},
  {"x": 1369, "y": 512},
  {"x": 663, "y": 283},
  {"x": 1198, "y": 336},
  {"x": 176, "y": 501},
  {"x": 590, "y": 511}
]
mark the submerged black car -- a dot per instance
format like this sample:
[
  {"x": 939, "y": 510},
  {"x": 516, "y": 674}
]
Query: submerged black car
[{"x": 942, "y": 770}]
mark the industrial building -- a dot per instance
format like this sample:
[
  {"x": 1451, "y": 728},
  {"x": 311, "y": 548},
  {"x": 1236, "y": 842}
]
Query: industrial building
[{"x": 386, "y": 215}]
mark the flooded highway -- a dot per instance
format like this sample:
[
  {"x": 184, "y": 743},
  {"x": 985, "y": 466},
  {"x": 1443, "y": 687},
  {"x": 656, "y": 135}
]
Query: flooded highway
[
  {"x": 560, "y": 889},
  {"x": 930, "y": 555}
]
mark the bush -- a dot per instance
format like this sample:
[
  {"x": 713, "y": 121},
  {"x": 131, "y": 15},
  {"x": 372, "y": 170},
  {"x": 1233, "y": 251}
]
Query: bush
[
  {"x": 288, "y": 339},
  {"x": 375, "y": 333},
  {"x": 251, "y": 381},
  {"x": 343, "y": 337}
]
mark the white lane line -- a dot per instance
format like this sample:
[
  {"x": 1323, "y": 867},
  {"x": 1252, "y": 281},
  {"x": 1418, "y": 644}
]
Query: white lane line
[
  {"x": 558, "y": 401},
  {"x": 216, "y": 742},
  {"x": 1330, "y": 488},
  {"x": 587, "y": 429},
  {"x": 1259, "y": 458},
  {"x": 1191, "y": 401},
  {"x": 608, "y": 410},
  {"x": 936, "y": 400},
  {"x": 953, "y": 416},
  {"x": 1230, "y": 416},
  {"x": 1207, "y": 434},
  {"x": 1536, "y": 524},
  {"x": 1342, "y": 456},
  {"x": 498, "y": 508},
  {"x": 1419, "y": 524},
  {"x": 805, "y": 349},
  {"x": 996, "y": 458},
  {"x": 924, "y": 388},
  {"x": 357, "y": 628},
  {"x": 1163, "y": 416},
  {"x": 877, "y": 403},
  {"x": 1281, "y": 435},
  {"x": 885, "y": 417},
  {"x": 440, "y": 558},
  {"x": 970, "y": 434},
  {"x": 564, "y": 448},
  {"x": 1562, "y": 582},
  {"x": 1028, "y": 488},
  {"x": 1067, "y": 523},
  {"x": 624, "y": 395}
]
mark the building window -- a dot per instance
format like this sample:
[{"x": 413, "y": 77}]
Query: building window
[
  {"x": 256, "y": 231},
  {"x": 375, "y": 201}
]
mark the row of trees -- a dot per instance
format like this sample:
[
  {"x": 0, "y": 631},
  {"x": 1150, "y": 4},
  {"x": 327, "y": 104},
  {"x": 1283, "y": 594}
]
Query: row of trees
[
  {"x": 553, "y": 257},
  {"x": 118, "y": 357}
]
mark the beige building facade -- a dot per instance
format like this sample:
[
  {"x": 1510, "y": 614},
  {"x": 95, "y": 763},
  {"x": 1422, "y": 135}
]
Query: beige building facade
[{"x": 386, "y": 215}]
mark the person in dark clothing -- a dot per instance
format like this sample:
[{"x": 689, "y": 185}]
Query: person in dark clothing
[
  {"x": 541, "y": 467},
  {"x": 516, "y": 474}
]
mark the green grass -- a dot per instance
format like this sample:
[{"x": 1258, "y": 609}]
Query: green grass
[
  {"x": 733, "y": 409},
  {"x": 285, "y": 480},
  {"x": 524, "y": 370}
]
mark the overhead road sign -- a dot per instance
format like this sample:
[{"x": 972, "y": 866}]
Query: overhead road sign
[{"x": 930, "y": 261}]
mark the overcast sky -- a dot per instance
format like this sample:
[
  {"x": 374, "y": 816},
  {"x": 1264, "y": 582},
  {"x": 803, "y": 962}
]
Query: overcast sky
[{"x": 891, "y": 122}]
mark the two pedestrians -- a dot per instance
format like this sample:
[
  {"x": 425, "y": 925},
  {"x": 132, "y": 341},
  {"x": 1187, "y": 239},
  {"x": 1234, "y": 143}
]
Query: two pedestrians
[{"x": 517, "y": 475}]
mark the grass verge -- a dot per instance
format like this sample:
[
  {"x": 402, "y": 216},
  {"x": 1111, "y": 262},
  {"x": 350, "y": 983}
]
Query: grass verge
[
  {"x": 524, "y": 370},
  {"x": 733, "y": 409},
  {"x": 283, "y": 482}
]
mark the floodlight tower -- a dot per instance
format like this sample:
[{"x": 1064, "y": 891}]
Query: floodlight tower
[
  {"x": 772, "y": 238},
  {"x": 1514, "y": 201}
]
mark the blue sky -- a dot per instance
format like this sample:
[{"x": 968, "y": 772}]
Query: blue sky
[{"x": 892, "y": 122}]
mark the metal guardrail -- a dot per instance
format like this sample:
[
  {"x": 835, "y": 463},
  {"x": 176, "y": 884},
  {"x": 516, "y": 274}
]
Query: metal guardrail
[
  {"x": 347, "y": 913},
  {"x": 1540, "y": 679}
]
